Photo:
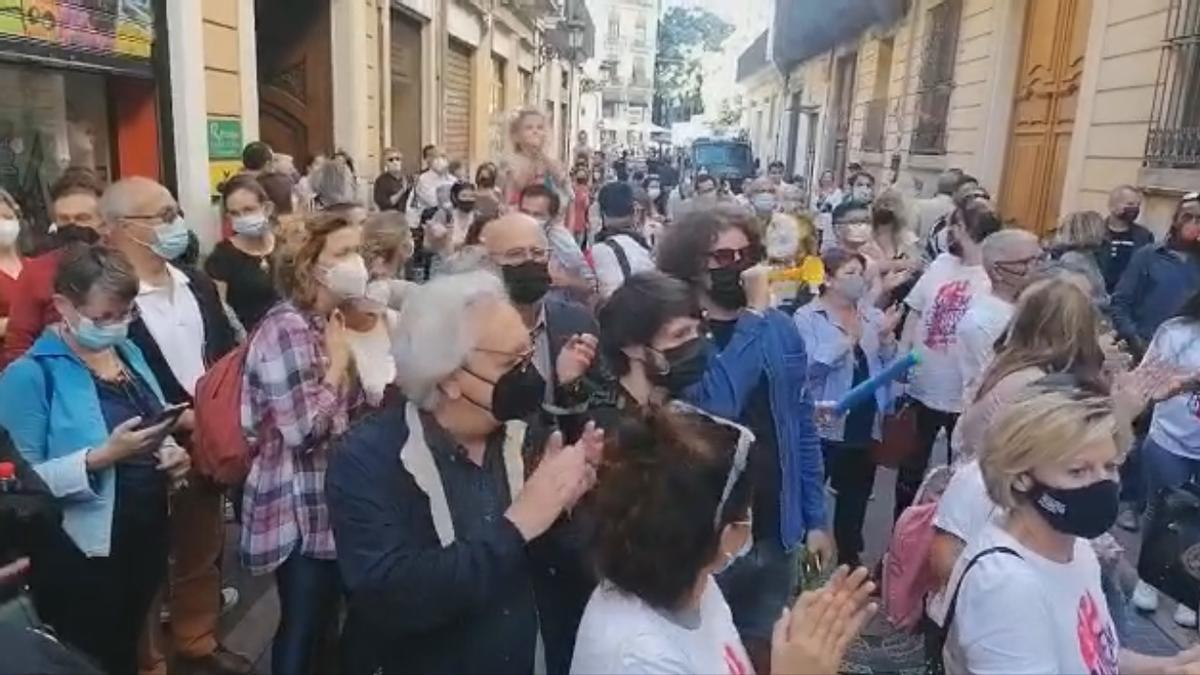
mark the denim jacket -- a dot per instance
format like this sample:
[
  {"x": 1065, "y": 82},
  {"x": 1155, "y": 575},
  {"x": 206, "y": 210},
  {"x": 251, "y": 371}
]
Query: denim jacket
[
  {"x": 1154, "y": 287},
  {"x": 52, "y": 411},
  {"x": 831, "y": 359},
  {"x": 770, "y": 344}
]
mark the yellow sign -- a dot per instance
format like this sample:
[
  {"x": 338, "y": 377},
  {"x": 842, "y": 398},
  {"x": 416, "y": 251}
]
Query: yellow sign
[{"x": 219, "y": 172}]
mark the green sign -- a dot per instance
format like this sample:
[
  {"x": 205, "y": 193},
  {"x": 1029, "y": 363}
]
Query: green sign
[{"x": 224, "y": 139}]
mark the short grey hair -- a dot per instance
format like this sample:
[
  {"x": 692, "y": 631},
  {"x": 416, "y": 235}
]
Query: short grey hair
[
  {"x": 116, "y": 202},
  {"x": 333, "y": 183},
  {"x": 433, "y": 336},
  {"x": 1078, "y": 264},
  {"x": 998, "y": 245}
]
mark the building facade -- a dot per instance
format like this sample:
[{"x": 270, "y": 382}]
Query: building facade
[
  {"x": 1051, "y": 103},
  {"x": 627, "y": 33}
]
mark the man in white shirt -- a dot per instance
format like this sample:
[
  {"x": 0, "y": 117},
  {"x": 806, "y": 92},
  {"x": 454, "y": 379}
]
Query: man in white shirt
[
  {"x": 938, "y": 302},
  {"x": 620, "y": 251},
  {"x": 181, "y": 329},
  {"x": 436, "y": 175},
  {"x": 1010, "y": 258}
]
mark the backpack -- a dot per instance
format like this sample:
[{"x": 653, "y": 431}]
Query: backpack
[
  {"x": 906, "y": 574},
  {"x": 220, "y": 451}
]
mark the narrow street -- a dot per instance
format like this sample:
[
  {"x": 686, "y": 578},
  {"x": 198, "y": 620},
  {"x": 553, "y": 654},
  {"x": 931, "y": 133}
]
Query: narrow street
[{"x": 249, "y": 626}]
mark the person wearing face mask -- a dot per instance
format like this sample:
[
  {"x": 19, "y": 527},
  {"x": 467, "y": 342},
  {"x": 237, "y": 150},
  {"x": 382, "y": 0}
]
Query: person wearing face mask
[
  {"x": 1030, "y": 577},
  {"x": 563, "y": 332},
  {"x": 579, "y": 216},
  {"x": 673, "y": 510},
  {"x": 181, "y": 329},
  {"x": 74, "y": 207},
  {"x": 1159, "y": 278},
  {"x": 658, "y": 198},
  {"x": 716, "y": 253},
  {"x": 862, "y": 187},
  {"x": 11, "y": 261},
  {"x": 82, "y": 406},
  {"x": 570, "y": 273},
  {"x": 434, "y": 177},
  {"x": 1123, "y": 236},
  {"x": 1011, "y": 259},
  {"x": 242, "y": 265},
  {"x": 391, "y": 186},
  {"x": 760, "y": 196},
  {"x": 621, "y": 250},
  {"x": 851, "y": 225},
  {"x": 848, "y": 341},
  {"x": 447, "y": 231},
  {"x": 299, "y": 394},
  {"x": 459, "y": 558},
  {"x": 485, "y": 180}
]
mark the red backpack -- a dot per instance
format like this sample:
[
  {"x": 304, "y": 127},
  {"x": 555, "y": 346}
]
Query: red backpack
[
  {"x": 220, "y": 451},
  {"x": 906, "y": 574}
]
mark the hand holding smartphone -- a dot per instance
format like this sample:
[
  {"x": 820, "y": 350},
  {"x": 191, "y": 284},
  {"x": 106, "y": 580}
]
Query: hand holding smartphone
[{"x": 169, "y": 414}]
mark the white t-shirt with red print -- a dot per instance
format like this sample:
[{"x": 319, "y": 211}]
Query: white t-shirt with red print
[
  {"x": 1176, "y": 423},
  {"x": 942, "y": 296},
  {"x": 622, "y": 635},
  {"x": 1029, "y": 614}
]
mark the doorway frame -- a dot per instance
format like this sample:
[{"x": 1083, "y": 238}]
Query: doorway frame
[{"x": 1008, "y": 41}]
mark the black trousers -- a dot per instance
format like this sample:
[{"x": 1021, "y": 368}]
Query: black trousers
[
  {"x": 851, "y": 472},
  {"x": 99, "y": 605},
  {"x": 912, "y": 470}
]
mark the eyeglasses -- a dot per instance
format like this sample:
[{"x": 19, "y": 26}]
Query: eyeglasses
[
  {"x": 1022, "y": 266},
  {"x": 167, "y": 215},
  {"x": 724, "y": 257},
  {"x": 517, "y": 256}
]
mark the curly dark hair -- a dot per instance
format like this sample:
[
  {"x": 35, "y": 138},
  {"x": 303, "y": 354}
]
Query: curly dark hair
[
  {"x": 637, "y": 310},
  {"x": 683, "y": 250},
  {"x": 656, "y": 502}
]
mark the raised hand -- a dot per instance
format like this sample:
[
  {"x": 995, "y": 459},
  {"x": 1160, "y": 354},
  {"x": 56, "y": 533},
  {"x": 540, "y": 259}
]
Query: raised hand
[
  {"x": 813, "y": 637},
  {"x": 576, "y": 358},
  {"x": 563, "y": 476}
]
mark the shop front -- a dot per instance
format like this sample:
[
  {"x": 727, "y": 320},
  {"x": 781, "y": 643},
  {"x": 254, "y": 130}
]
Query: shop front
[{"x": 78, "y": 87}]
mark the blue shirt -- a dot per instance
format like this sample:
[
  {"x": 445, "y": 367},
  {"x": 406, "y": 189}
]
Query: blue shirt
[
  {"x": 831, "y": 359},
  {"x": 1153, "y": 289}
]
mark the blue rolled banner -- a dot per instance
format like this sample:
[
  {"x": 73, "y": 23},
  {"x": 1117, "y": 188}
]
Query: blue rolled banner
[{"x": 867, "y": 388}]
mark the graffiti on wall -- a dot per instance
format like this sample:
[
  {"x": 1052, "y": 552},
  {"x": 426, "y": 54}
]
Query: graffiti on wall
[{"x": 123, "y": 27}]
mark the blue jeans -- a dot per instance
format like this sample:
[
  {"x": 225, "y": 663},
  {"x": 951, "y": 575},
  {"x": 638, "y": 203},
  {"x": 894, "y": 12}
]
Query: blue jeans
[
  {"x": 758, "y": 586},
  {"x": 308, "y": 606}
]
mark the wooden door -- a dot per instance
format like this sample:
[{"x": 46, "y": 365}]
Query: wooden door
[
  {"x": 406, "y": 88},
  {"x": 294, "y": 75},
  {"x": 1052, "y": 53},
  {"x": 843, "y": 114}
]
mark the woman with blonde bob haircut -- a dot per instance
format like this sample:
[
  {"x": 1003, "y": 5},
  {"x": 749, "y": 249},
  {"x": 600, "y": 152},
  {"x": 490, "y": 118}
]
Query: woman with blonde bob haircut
[{"x": 1028, "y": 596}]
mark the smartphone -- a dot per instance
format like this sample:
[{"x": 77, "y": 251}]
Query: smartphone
[{"x": 168, "y": 414}]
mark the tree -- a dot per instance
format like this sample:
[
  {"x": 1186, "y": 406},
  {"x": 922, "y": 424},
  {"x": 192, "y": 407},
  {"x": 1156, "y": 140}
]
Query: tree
[
  {"x": 684, "y": 35},
  {"x": 730, "y": 115}
]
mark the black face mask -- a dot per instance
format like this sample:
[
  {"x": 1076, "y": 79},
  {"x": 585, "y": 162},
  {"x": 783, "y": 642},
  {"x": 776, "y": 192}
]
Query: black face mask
[
  {"x": 954, "y": 246},
  {"x": 517, "y": 394},
  {"x": 1130, "y": 214},
  {"x": 726, "y": 290},
  {"x": 528, "y": 282},
  {"x": 1086, "y": 512},
  {"x": 686, "y": 364}
]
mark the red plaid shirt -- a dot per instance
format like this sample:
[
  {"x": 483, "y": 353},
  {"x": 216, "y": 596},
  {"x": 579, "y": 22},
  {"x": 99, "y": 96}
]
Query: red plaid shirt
[{"x": 289, "y": 415}]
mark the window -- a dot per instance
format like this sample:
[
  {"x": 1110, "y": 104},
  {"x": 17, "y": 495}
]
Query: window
[
  {"x": 610, "y": 110},
  {"x": 937, "y": 77},
  {"x": 614, "y": 27},
  {"x": 1174, "y": 139},
  {"x": 640, "y": 31},
  {"x": 636, "y": 114},
  {"x": 499, "y": 85},
  {"x": 639, "y": 72},
  {"x": 876, "y": 122},
  {"x": 526, "y": 86}
]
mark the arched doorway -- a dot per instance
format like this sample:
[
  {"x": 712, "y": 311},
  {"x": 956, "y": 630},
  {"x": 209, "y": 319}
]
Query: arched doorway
[{"x": 294, "y": 76}]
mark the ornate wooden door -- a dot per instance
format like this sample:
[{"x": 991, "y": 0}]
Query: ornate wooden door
[
  {"x": 1051, "y": 68},
  {"x": 294, "y": 74}
]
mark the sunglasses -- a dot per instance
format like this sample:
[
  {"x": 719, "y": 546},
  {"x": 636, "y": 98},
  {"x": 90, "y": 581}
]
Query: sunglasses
[{"x": 724, "y": 257}]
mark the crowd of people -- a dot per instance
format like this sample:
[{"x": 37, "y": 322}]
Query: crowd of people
[{"x": 557, "y": 419}]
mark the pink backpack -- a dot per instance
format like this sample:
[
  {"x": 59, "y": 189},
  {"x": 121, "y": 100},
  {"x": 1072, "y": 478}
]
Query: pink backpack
[{"x": 906, "y": 574}]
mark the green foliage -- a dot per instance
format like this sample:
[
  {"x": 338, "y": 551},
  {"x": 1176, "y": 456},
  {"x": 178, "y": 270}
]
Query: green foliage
[{"x": 684, "y": 35}]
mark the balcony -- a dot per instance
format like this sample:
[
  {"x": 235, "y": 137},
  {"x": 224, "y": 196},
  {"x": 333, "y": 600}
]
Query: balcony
[
  {"x": 876, "y": 126},
  {"x": 536, "y": 9},
  {"x": 630, "y": 92}
]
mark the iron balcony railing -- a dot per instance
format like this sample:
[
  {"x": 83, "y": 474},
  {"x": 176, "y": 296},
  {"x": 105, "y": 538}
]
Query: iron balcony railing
[
  {"x": 1174, "y": 138},
  {"x": 875, "y": 126}
]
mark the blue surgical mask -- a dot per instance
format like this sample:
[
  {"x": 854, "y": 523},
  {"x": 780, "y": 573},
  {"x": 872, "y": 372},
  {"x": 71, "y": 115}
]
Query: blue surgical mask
[
  {"x": 764, "y": 203},
  {"x": 171, "y": 239},
  {"x": 95, "y": 337},
  {"x": 251, "y": 225}
]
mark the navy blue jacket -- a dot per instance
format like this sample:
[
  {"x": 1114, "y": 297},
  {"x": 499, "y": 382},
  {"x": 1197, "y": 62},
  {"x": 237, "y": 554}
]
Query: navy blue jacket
[{"x": 1153, "y": 289}]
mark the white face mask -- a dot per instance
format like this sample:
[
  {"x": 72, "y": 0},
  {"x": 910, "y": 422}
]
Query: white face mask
[
  {"x": 857, "y": 233},
  {"x": 10, "y": 229},
  {"x": 440, "y": 165},
  {"x": 654, "y": 193},
  {"x": 251, "y": 224},
  {"x": 347, "y": 279}
]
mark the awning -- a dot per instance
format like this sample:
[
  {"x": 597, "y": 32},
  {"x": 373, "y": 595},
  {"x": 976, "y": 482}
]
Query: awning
[{"x": 804, "y": 28}]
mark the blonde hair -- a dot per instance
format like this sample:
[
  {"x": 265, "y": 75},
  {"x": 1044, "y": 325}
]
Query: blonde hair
[
  {"x": 1048, "y": 424},
  {"x": 519, "y": 116},
  {"x": 1081, "y": 229},
  {"x": 386, "y": 234}
]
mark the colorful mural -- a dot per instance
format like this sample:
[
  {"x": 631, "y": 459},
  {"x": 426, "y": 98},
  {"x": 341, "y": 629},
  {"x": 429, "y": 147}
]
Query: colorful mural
[{"x": 123, "y": 27}]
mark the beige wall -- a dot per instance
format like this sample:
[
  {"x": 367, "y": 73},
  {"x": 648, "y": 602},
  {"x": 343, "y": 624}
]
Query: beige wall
[{"x": 221, "y": 61}]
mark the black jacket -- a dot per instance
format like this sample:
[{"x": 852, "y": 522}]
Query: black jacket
[
  {"x": 219, "y": 338},
  {"x": 387, "y": 185},
  {"x": 415, "y": 606}
]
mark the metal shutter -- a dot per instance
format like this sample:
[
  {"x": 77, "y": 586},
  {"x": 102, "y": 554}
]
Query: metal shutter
[{"x": 457, "y": 115}]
